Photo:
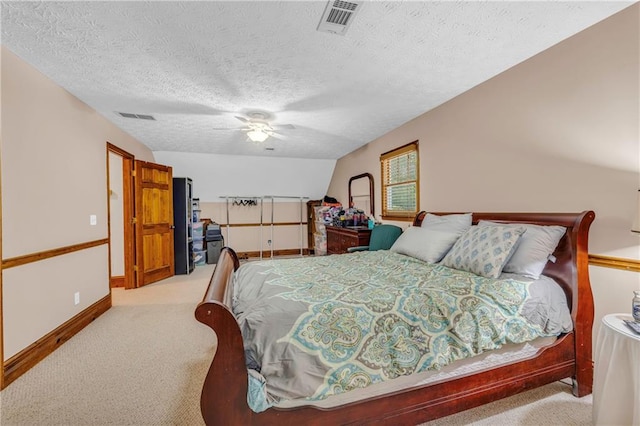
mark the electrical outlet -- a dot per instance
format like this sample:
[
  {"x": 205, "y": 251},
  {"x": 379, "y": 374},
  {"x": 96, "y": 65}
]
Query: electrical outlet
[
  {"x": 93, "y": 220},
  {"x": 76, "y": 297},
  {"x": 269, "y": 242}
]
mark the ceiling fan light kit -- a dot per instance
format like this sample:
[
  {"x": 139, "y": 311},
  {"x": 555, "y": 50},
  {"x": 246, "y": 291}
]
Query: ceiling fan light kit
[
  {"x": 258, "y": 128},
  {"x": 257, "y": 135}
]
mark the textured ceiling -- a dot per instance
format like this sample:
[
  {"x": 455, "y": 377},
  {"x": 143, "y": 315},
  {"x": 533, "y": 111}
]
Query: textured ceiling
[{"x": 196, "y": 65}]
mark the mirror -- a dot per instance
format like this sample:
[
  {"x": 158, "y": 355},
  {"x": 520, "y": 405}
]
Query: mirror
[{"x": 361, "y": 193}]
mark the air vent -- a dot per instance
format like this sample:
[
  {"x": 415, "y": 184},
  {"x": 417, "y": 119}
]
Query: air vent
[
  {"x": 137, "y": 116},
  {"x": 338, "y": 16}
]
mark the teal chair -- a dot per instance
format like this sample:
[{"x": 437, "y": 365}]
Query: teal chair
[{"x": 382, "y": 238}]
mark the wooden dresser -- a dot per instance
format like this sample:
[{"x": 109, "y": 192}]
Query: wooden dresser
[{"x": 339, "y": 239}]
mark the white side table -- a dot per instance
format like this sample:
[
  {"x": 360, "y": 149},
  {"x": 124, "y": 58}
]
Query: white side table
[{"x": 616, "y": 383}]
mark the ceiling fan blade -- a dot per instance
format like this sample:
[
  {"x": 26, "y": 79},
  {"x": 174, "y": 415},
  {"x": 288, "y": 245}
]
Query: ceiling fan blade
[
  {"x": 244, "y": 120},
  {"x": 283, "y": 126},
  {"x": 280, "y": 136}
]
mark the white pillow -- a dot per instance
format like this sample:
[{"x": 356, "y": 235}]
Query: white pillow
[
  {"x": 483, "y": 250},
  {"x": 455, "y": 223},
  {"x": 431, "y": 241},
  {"x": 424, "y": 244},
  {"x": 534, "y": 248}
]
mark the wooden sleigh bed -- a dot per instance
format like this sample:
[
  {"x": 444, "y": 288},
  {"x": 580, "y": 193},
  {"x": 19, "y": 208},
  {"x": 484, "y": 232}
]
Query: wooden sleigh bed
[{"x": 224, "y": 394}]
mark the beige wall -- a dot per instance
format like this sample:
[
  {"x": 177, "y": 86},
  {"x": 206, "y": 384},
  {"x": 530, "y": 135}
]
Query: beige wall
[
  {"x": 53, "y": 178},
  {"x": 217, "y": 176},
  {"x": 558, "y": 132},
  {"x": 253, "y": 238},
  {"x": 116, "y": 214}
]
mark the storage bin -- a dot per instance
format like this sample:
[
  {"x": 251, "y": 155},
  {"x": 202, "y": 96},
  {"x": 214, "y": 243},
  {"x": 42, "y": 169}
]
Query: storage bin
[
  {"x": 200, "y": 257},
  {"x": 197, "y": 230},
  {"x": 198, "y": 244}
]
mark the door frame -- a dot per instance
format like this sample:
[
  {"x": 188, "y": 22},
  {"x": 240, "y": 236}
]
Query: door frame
[{"x": 128, "y": 164}]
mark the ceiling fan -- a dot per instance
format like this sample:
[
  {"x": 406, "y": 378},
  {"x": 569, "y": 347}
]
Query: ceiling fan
[{"x": 258, "y": 128}]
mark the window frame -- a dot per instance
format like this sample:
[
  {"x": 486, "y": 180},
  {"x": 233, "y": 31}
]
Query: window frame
[{"x": 402, "y": 150}]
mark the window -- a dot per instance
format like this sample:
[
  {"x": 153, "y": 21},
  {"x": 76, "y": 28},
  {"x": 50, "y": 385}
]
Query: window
[{"x": 400, "y": 177}]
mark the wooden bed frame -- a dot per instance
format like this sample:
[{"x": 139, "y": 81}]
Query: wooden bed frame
[{"x": 224, "y": 393}]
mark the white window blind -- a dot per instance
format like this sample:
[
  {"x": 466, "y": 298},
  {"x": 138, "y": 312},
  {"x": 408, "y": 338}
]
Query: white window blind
[{"x": 400, "y": 181}]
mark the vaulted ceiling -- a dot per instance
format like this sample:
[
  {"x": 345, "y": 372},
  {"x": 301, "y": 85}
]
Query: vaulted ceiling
[{"x": 195, "y": 67}]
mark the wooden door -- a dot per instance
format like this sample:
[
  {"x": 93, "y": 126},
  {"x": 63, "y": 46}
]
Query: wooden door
[{"x": 154, "y": 222}]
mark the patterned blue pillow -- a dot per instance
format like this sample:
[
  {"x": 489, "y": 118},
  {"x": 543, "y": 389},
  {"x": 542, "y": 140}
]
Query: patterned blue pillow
[
  {"x": 483, "y": 250},
  {"x": 533, "y": 250}
]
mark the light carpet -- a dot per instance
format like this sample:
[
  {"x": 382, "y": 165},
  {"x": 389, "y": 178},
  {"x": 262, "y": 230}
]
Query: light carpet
[{"x": 143, "y": 363}]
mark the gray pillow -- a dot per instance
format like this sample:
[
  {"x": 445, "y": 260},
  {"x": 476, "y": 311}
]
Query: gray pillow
[
  {"x": 454, "y": 223},
  {"x": 424, "y": 244},
  {"x": 534, "y": 248},
  {"x": 431, "y": 241}
]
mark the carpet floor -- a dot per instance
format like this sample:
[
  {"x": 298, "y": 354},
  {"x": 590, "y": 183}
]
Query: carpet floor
[{"x": 143, "y": 363}]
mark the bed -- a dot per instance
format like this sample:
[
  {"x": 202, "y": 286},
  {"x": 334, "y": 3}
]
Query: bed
[{"x": 568, "y": 355}]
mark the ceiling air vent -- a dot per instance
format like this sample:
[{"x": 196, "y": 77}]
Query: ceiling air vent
[
  {"x": 338, "y": 15},
  {"x": 137, "y": 116}
]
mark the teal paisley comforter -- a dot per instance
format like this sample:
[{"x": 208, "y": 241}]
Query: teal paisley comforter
[{"x": 319, "y": 326}]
